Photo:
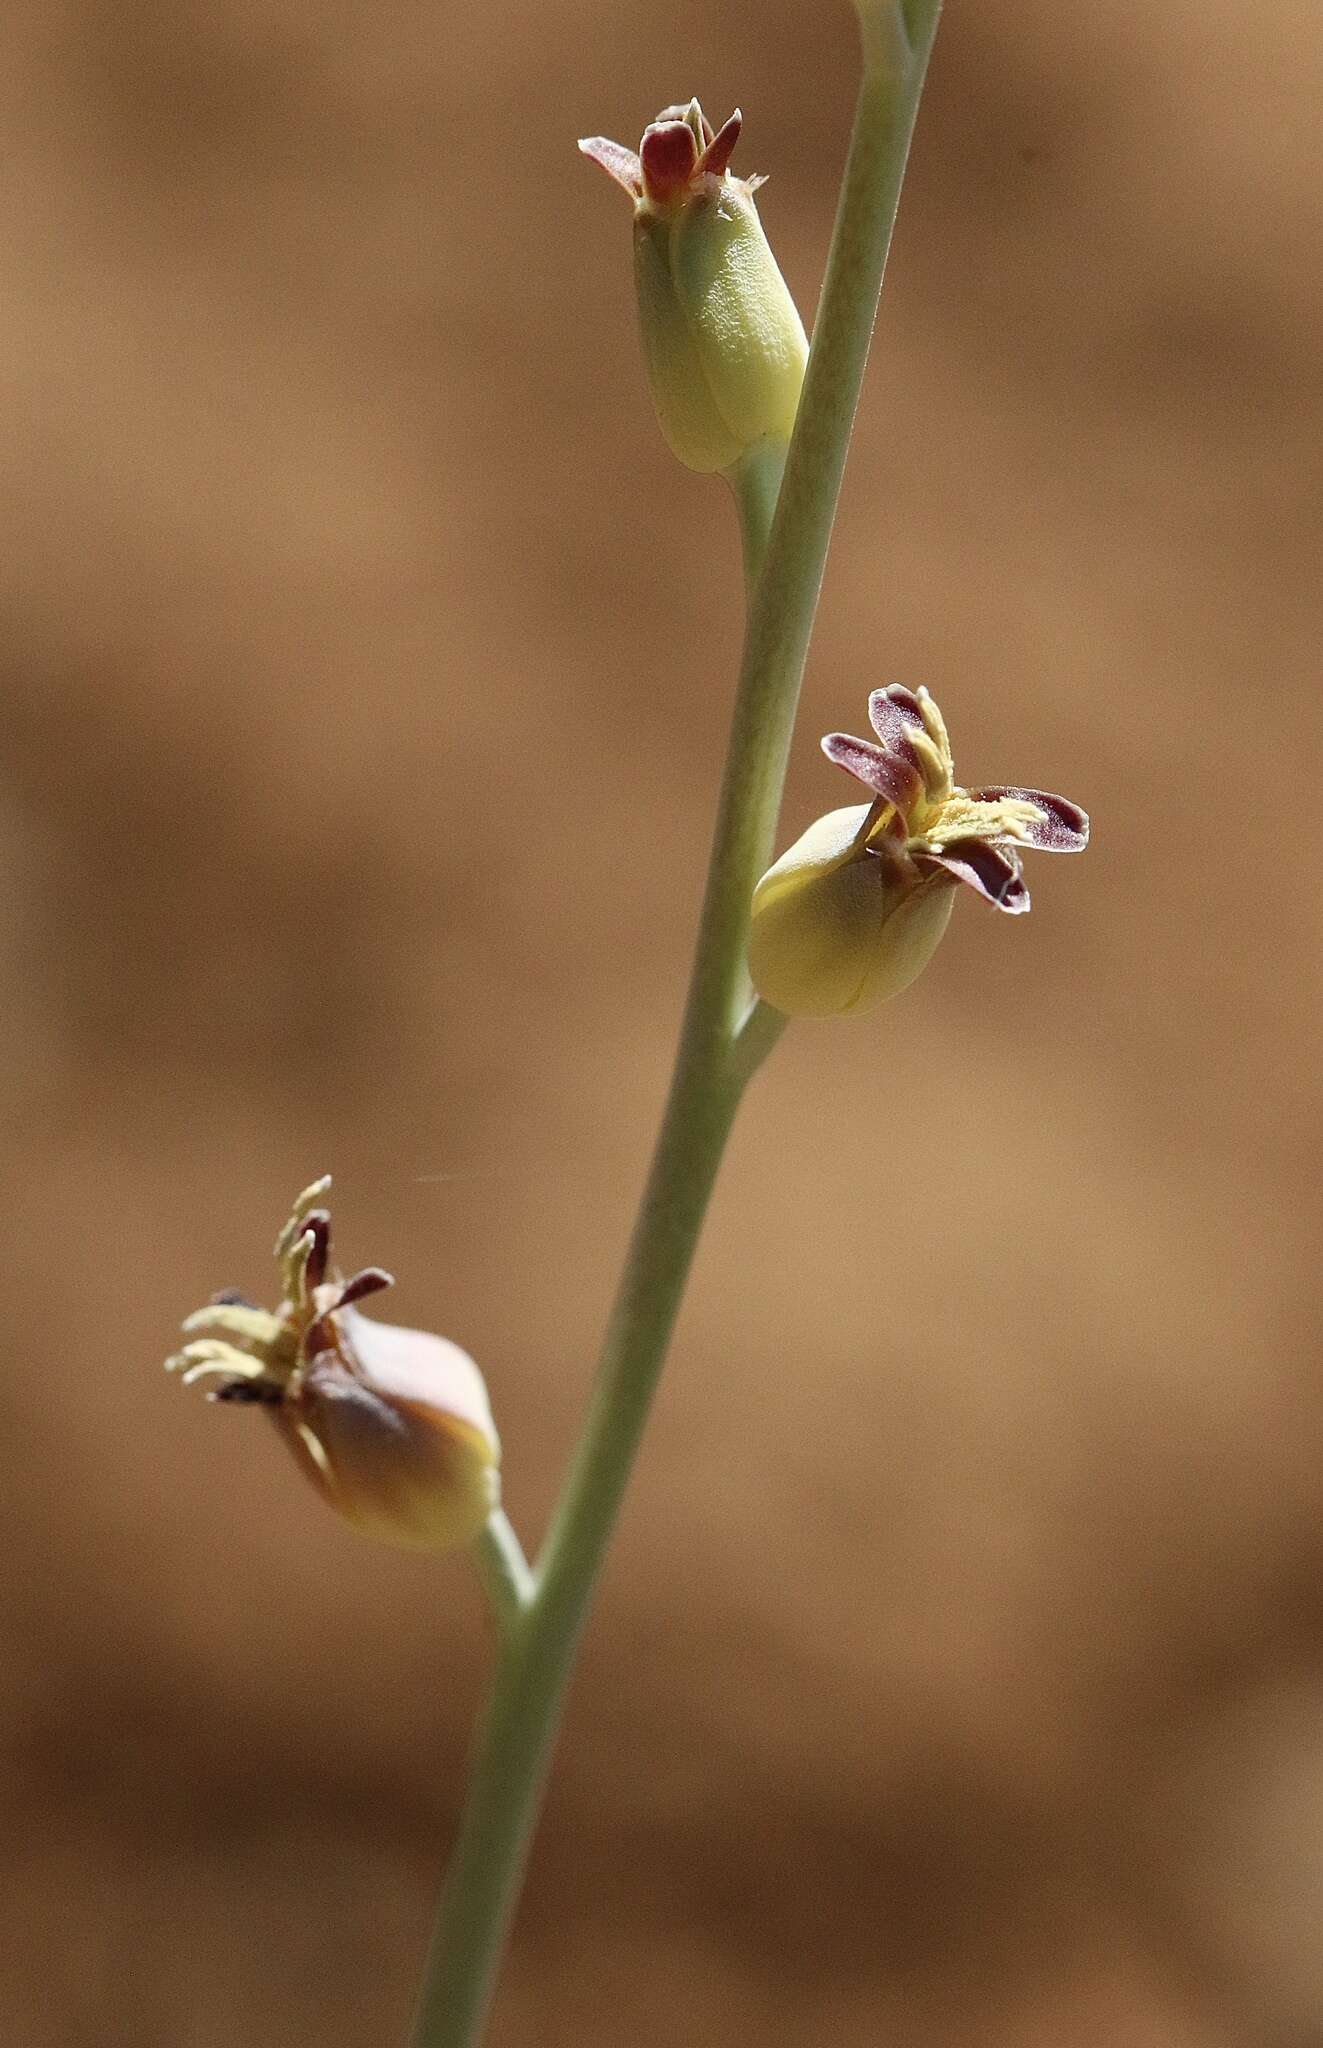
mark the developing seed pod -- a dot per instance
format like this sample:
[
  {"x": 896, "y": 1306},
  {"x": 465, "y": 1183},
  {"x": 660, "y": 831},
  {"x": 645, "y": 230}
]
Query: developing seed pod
[
  {"x": 392, "y": 1426},
  {"x": 724, "y": 346}
]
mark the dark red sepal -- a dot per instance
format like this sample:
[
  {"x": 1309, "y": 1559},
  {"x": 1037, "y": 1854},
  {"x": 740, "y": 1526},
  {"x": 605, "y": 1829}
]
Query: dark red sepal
[
  {"x": 618, "y": 162},
  {"x": 880, "y": 770},
  {"x": 893, "y": 713},
  {"x": 668, "y": 154},
  {"x": 370, "y": 1281},
  {"x": 1063, "y": 828},
  {"x": 716, "y": 157},
  {"x": 990, "y": 870}
]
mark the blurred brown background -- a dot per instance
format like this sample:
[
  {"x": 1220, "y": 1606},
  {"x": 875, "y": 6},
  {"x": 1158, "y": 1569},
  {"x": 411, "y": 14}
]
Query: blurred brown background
[{"x": 959, "y": 1675}]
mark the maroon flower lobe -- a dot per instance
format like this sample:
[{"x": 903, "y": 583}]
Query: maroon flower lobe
[
  {"x": 885, "y": 773},
  {"x": 677, "y": 152},
  {"x": 1063, "y": 827},
  {"x": 894, "y": 713},
  {"x": 716, "y": 157},
  {"x": 990, "y": 870},
  {"x": 370, "y": 1280},
  {"x": 669, "y": 156},
  {"x": 617, "y": 161},
  {"x": 317, "y": 1226}
]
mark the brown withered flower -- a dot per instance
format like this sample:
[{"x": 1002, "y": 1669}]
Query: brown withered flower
[{"x": 392, "y": 1426}]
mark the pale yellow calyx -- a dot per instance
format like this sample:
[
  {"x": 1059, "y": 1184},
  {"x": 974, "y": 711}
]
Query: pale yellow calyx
[
  {"x": 836, "y": 928},
  {"x": 723, "y": 342}
]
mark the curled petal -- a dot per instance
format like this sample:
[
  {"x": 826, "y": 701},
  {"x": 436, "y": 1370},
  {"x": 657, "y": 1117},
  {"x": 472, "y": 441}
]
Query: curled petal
[
  {"x": 885, "y": 773},
  {"x": 690, "y": 112},
  {"x": 310, "y": 1199},
  {"x": 317, "y": 1227},
  {"x": 911, "y": 727},
  {"x": 618, "y": 162},
  {"x": 370, "y": 1281},
  {"x": 991, "y": 870},
  {"x": 1063, "y": 827},
  {"x": 894, "y": 714},
  {"x": 721, "y": 146}
]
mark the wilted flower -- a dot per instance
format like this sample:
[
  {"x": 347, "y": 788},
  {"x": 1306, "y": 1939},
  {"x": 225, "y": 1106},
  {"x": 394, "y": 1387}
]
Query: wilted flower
[
  {"x": 392, "y": 1426},
  {"x": 855, "y": 909},
  {"x": 724, "y": 345}
]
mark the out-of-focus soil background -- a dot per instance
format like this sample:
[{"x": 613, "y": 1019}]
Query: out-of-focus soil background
[{"x": 959, "y": 1675}]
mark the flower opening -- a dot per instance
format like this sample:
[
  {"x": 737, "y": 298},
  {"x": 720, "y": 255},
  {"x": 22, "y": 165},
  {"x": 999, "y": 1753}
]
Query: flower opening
[{"x": 857, "y": 906}]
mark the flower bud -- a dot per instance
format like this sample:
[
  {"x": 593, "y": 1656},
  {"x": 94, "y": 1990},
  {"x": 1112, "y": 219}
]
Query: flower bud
[
  {"x": 838, "y": 928},
  {"x": 724, "y": 346},
  {"x": 392, "y": 1426}
]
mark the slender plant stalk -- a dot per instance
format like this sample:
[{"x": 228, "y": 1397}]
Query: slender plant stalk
[
  {"x": 503, "y": 1569},
  {"x": 723, "y": 1038}
]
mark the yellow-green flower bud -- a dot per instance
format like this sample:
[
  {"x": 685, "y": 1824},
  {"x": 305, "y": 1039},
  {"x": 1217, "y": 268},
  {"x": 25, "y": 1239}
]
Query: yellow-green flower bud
[
  {"x": 837, "y": 928},
  {"x": 392, "y": 1426},
  {"x": 724, "y": 346}
]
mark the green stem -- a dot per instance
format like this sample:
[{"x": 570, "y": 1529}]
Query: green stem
[
  {"x": 503, "y": 1569},
  {"x": 759, "y": 1032},
  {"x": 756, "y": 482},
  {"x": 721, "y": 1040}
]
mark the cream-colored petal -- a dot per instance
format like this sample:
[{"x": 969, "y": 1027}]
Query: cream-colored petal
[
  {"x": 311, "y": 1198},
  {"x": 252, "y": 1329}
]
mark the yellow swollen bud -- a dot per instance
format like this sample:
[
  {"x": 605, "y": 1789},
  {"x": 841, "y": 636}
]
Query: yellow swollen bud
[
  {"x": 836, "y": 928},
  {"x": 724, "y": 346}
]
